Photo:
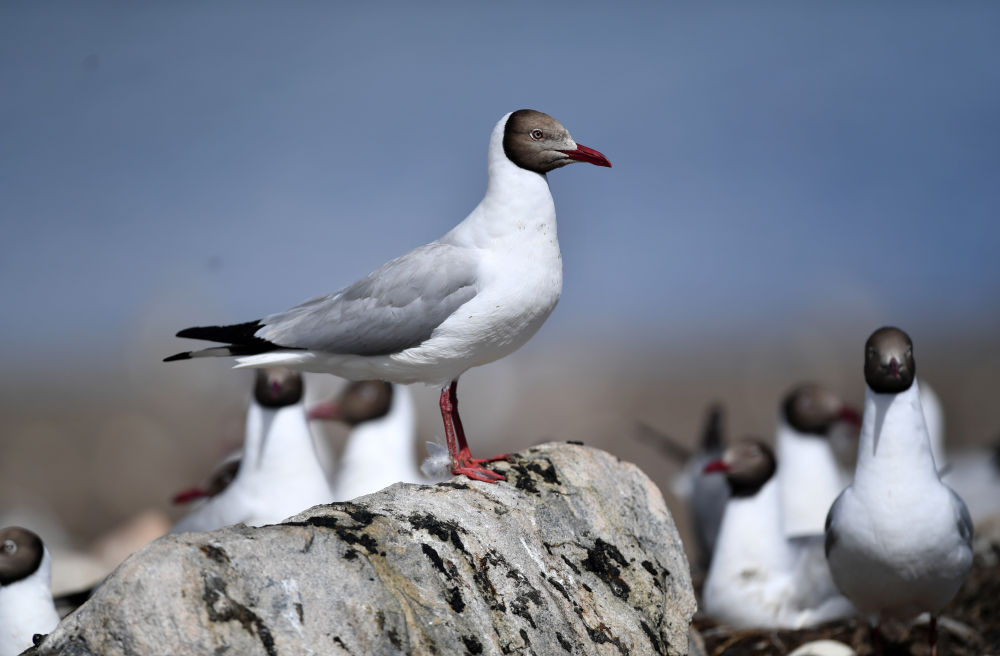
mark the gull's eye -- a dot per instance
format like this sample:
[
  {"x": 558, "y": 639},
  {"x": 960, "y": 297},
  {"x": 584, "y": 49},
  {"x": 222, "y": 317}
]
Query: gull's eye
[
  {"x": 537, "y": 134},
  {"x": 9, "y": 547}
]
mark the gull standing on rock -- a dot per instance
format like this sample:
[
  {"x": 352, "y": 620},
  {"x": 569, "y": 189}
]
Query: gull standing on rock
[
  {"x": 758, "y": 577},
  {"x": 899, "y": 541},
  {"x": 809, "y": 478},
  {"x": 279, "y": 473},
  {"x": 26, "y": 606},
  {"x": 473, "y": 296}
]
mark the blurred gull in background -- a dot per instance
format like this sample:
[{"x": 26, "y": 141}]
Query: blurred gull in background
[
  {"x": 26, "y": 606},
  {"x": 279, "y": 473},
  {"x": 759, "y": 578},
  {"x": 381, "y": 446},
  {"x": 809, "y": 478}
]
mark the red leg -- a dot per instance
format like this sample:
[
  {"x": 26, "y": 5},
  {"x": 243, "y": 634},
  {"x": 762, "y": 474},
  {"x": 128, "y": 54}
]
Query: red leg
[
  {"x": 932, "y": 635},
  {"x": 462, "y": 461}
]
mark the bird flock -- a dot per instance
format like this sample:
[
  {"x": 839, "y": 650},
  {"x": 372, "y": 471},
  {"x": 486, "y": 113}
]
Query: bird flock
[
  {"x": 826, "y": 524},
  {"x": 849, "y": 513}
]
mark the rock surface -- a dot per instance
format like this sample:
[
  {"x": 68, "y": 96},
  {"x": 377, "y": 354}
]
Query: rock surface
[{"x": 575, "y": 554}]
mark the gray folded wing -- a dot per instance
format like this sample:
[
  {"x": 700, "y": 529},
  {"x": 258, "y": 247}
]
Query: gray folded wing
[{"x": 395, "y": 307}]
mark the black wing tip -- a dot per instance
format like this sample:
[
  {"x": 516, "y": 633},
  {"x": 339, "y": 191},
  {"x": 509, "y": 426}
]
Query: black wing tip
[
  {"x": 186, "y": 355},
  {"x": 237, "y": 333}
]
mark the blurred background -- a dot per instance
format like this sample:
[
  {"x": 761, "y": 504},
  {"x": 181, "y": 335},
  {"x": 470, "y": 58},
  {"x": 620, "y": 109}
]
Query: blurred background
[{"x": 786, "y": 179}]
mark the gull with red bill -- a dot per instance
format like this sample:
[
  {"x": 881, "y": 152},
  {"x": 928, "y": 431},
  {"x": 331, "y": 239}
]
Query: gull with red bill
[
  {"x": 471, "y": 297},
  {"x": 759, "y": 578},
  {"x": 383, "y": 421}
]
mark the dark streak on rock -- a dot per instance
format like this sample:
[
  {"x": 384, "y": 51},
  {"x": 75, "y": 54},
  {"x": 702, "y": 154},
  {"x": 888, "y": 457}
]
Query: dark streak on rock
[
  {"x": 548, "y": 474},
  {"x": 394, "y": 638},
  {"x": 525, "y": 481},
  {"x": 519, "y": 607},
  {"x": 564, "y": 643},
  {"x": 340, "y": 642},
  {"x": 301, "y": 612},
  {"x": 454, "y": 599},
  {"x": 570, "y": 563},
  {"x": 559, "y": 586},
  {"x": 434, "y": 558},
  {"x": 222, "y": 608},
  {"x": 600, "y": 560},
  {"x": 653, "y": 638},
  {"x": 601, "y": 635},
  {"x": 349, "y": 534},
  {"x": 350, "y": 554},
  {"x": 524, "y": 636},
  {"x": 472, "y": 644},
  {"x": 651, "y": 568},
  {"x": 441, "y": 529},
  {"x": 576, "y": 442},
  {"x": 452, "y": 484},
  {"x": 362, "y": 516},
  {"x": 215, "y": 553},
  {"x": 482, "y": 580}
]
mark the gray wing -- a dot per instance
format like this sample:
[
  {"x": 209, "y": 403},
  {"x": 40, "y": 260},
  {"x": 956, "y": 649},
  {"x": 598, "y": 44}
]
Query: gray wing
[
  {"x": 395, "y": 307},
  {"x": 964, "y": 519}
]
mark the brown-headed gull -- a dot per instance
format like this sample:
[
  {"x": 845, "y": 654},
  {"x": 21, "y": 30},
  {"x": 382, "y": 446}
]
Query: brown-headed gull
[
  {"x": 898, "y": 540},
  {"x": 381, "y": 447},
  {"x": 279, "y": 473},
  {"x": 26, "y": 606},
  {"x": 759, "y": 578},
  {"x": 471, "y": 297}
]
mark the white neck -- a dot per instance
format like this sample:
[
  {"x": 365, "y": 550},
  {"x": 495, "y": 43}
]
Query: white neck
[
  {"x": 26, "y": 608},
  {"x": 894, "y": 445},
  {"x": 380, "y": 452},
  {"x": 517, "y": 202},
  {"x": 278, "y": 443}
]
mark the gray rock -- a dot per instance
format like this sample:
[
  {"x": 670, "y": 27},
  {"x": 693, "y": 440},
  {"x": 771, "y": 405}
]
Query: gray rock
[{"x": 576, "y": 554}]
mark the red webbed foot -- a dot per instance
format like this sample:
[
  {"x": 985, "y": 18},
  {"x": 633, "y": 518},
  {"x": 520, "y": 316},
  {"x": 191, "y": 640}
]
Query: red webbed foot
[{"x": 473, "y": 468}]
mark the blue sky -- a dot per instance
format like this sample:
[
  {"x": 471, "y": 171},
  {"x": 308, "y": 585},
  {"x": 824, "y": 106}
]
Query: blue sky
[{"x": 212, "y": 162}]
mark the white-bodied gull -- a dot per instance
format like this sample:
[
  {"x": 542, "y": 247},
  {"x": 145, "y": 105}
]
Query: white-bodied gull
[
  {"x": 759, "y": 578},
  {"x": 899, "y": 541},
  {"x": 279, "y": 473},
  {"x": 26, "y": 606},
  {"x": 471, "y": 297},
  {"x": 381, "y": 448}
]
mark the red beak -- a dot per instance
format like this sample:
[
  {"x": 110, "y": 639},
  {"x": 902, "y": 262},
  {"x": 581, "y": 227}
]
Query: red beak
[
  {"x": 715, "y": 466},
  {"x": 189, "y": 495},
  {"x": 589, "y": 155},
  {"x": 850, "y": 415},
  {"x": 325, "y": 410}
]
